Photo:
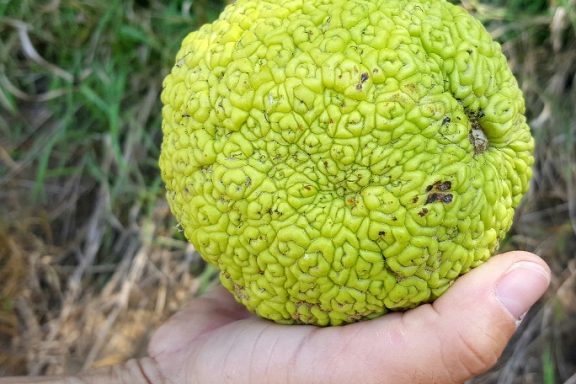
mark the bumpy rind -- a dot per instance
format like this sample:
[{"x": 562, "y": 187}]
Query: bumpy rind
[{"x": 337, "y": 159}]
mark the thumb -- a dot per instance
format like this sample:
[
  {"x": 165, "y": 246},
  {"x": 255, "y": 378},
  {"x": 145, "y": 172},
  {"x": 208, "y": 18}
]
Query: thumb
[
  {"x": 475, "y": 319},
  {"x": 459, "y": 336}
]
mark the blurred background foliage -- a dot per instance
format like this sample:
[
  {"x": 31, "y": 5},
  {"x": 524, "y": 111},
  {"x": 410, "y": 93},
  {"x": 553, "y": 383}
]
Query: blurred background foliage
[{"x": 91, "y": 259}]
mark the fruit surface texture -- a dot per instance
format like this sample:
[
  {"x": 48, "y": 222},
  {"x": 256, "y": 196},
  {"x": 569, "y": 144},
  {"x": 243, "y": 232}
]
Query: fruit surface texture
[{"x": 340, "y": 159}]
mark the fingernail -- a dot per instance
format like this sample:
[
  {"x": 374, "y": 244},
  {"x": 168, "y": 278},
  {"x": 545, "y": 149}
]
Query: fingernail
[{"x": 521, "y": 286}]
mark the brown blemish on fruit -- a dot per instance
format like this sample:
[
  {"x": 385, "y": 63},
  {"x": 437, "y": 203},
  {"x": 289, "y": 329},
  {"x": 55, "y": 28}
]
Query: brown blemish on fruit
[
  {"x": 432, "y": 198},
  {"x": 442, "y": 197},
  {"x": 445, "y": 186},
  {"x": 363, "y": 78},
  {"x": 437, "y": 192}
]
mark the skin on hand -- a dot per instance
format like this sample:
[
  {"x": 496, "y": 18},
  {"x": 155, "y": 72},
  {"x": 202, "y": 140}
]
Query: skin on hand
[
  {"x": 459, "y": 336},
  {"x": 462, "y": 334}
]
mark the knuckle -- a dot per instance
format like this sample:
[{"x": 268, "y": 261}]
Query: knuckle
[{"x": 477, "y": 353}]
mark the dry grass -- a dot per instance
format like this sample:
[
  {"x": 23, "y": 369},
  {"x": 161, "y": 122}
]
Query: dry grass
[
  {"x": 71, "y": 317},
  {"x": 542, "y": 52},
  {"x": 90, "y": 257}
]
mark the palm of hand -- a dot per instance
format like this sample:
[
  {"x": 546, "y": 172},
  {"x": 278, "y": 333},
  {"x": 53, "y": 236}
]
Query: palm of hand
[{"x": 215, "y": 340}]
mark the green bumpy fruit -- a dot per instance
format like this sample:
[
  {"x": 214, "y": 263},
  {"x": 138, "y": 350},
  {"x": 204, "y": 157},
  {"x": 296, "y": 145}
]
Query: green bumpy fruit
[{"x": 339, "y": 159}]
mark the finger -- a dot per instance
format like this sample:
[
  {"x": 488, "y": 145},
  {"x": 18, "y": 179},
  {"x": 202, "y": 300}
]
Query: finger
[
  {"x": 493, "y": 301},
  {"x": 461, "y": 335},
  {"x": 222, "y": 301},
  {"x": 214, "y": 309}
]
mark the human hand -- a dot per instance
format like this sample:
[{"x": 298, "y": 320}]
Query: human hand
[
  {"x": 214, "y": 340},
  {"x": 462, "y": 334}
]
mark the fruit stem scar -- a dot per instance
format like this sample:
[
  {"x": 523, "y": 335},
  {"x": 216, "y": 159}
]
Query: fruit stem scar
[
  {"x": 477, "y": 136},
  {"x": 479, "y": 140}
]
